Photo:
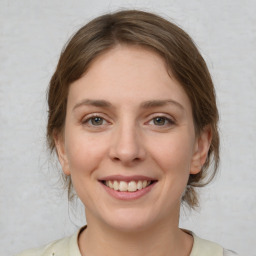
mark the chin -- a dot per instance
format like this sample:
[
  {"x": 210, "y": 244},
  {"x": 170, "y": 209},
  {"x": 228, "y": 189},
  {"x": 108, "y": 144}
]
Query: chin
[{"x": 130, "y": 220}]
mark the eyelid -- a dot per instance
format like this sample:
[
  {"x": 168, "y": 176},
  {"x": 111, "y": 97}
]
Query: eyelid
[
  {"x": 169, "y": 118},
  {"x": 87, "y": 117},
  {"x": 164, "y": 115}
]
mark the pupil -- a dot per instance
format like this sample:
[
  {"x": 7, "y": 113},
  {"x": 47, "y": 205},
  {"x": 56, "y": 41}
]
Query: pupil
[
  {"x": 159, "y": 121},
  {"x": 97, "y": 121}
]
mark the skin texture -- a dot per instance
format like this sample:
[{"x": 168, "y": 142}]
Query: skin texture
[{"x": 124, "y": 137}]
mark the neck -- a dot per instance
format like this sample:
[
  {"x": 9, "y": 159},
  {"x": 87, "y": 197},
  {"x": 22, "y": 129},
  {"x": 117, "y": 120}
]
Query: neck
[{"x": 162, "y": 240}]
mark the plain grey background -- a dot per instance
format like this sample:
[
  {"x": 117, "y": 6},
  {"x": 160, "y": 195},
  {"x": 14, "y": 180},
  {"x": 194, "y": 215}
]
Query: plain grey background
[{"x": 33, "y": 209}]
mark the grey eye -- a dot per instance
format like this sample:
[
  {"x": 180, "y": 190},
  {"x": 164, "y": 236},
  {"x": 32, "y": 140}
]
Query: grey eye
[
  {"x": 96, "y": 120},
  {"x": 159, "y": 120}
]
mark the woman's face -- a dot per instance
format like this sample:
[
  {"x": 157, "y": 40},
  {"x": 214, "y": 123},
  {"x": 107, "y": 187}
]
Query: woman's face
[{"x": 129, "y": 141}]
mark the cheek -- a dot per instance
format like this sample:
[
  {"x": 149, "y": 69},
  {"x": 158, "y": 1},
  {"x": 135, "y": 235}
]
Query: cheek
[
  {"x": 173, "y": 154},
  {"x": 84, "y": 152}
]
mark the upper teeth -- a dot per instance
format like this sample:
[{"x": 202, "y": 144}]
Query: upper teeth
[{"x": 127, "y": 186}]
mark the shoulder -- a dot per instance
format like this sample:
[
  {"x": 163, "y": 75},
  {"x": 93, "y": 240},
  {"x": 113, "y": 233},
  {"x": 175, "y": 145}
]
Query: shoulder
[
  {"x": 203, "y": 247},
  {"x": 64, "y": 247}
]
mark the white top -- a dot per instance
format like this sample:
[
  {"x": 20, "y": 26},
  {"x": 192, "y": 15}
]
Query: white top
[{"x": 69, "y": 247}]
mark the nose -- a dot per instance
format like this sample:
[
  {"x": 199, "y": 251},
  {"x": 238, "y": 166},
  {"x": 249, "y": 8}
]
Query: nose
[{"x": 127, "y": 145}]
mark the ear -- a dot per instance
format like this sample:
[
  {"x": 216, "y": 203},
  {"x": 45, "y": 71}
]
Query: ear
[
  {"x": 61, "y": 152},
  {"x": 202, "y": 145}
]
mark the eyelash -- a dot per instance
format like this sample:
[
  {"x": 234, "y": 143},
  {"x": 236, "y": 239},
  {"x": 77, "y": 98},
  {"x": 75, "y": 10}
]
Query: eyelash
[
  {"x": 167, "y": 121},
  {"x": 89, "y": 119}
]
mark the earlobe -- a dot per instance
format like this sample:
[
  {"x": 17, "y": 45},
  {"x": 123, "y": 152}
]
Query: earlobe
[
  {"x": 202, "y": 146},
  {"x": 61, "y": 152}
]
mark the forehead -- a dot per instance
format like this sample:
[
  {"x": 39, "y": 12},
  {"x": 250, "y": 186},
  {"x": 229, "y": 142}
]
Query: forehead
[
  {"x": 128, "y": 72},
  {"x": 128, "y": 59}
]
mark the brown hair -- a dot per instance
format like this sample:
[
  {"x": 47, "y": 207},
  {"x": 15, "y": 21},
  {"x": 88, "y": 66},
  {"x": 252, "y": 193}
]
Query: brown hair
[{"x": 182, "y": 57}]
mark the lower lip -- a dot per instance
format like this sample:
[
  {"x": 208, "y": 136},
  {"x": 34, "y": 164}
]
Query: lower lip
[{"x": 128, "y": 195}]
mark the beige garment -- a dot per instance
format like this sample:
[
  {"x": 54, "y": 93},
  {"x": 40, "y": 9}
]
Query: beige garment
[{"x": 69, "y": 247}]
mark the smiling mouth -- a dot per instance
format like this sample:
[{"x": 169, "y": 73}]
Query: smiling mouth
[{"x": 131, "y": 186}]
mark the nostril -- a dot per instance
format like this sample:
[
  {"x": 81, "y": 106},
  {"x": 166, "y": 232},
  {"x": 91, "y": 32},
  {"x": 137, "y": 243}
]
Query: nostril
[{"x": 116, "y": 159}]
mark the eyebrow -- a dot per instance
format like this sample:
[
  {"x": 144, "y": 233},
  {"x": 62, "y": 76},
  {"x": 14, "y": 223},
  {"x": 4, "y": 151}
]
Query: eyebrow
[
  {"x": 146, "y": 104},
  {"x": 96, "y": 103},
  {"x": 160, "y": 103}
]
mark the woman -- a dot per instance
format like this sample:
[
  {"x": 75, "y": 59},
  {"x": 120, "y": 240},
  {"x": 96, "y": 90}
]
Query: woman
[{"x": 133, "y": 120}]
